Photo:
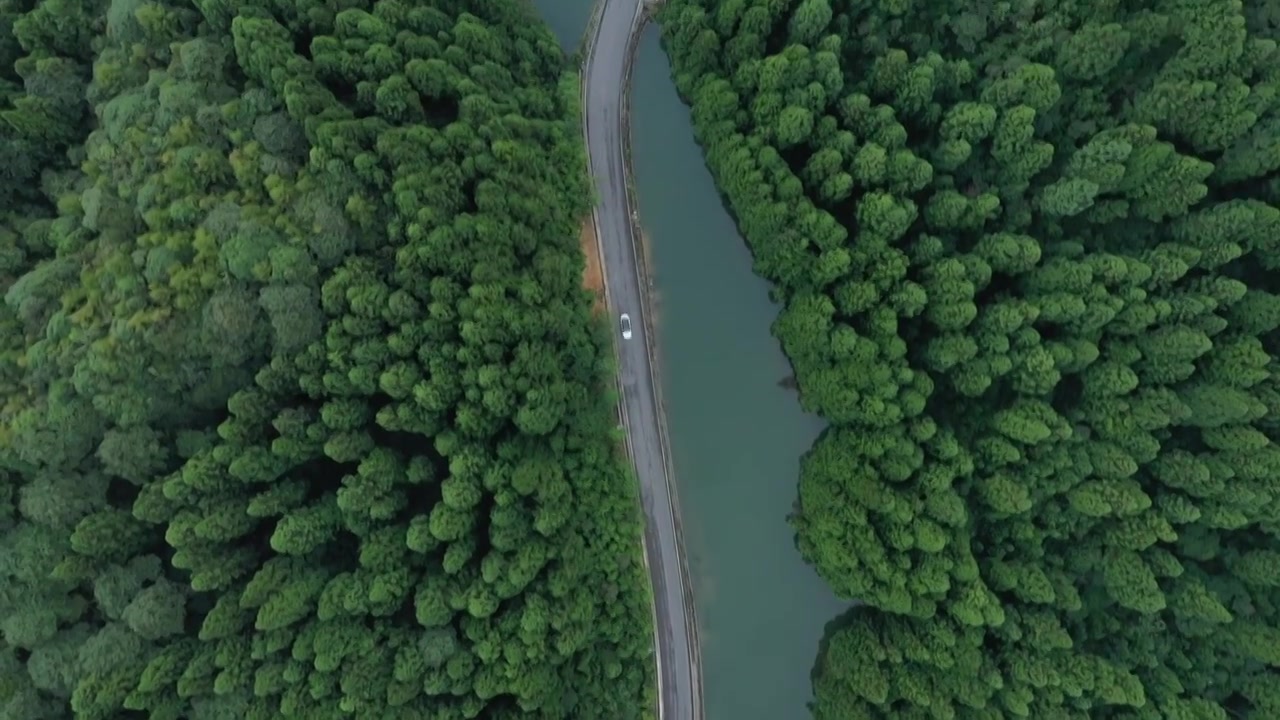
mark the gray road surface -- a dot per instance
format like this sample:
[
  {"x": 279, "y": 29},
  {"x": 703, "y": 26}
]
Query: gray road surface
[{"x": 605, "y": 77}]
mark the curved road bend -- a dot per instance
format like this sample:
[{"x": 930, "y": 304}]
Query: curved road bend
[{"x": 605, "y": 78}]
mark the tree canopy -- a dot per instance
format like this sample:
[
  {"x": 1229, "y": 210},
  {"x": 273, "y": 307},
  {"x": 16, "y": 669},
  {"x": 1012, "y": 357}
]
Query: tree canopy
[
  {"x": 303, "y": 411},
  {"x": 1025, "y": 251}
]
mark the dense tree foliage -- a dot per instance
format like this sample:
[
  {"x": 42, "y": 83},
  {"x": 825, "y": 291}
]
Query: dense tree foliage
[
  {"x": 1025, "y": 251},
  {"x": 303, "y": 410}
]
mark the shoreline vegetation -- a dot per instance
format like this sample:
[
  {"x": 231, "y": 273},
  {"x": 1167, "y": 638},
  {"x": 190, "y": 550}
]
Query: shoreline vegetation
[
  {"x": 1027, "y": 254},
  {"x": 305, "y": 413}
]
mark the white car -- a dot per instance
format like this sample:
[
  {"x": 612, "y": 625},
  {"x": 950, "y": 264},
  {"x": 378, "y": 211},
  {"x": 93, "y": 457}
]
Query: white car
[{"x": 626, "y": 326}]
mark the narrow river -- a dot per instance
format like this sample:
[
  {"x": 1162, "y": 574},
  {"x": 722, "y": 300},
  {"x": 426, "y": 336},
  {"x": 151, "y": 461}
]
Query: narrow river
[{"x": 736, "y": 434}]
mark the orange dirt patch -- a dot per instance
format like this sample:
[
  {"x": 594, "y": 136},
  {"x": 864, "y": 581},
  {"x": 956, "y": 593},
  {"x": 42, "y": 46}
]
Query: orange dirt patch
[{"x": 593, "y": 274}]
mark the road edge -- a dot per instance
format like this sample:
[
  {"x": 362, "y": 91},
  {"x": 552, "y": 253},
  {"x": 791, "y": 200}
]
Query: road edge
[
  {"x": 586, "y": 48},
  {"x": 642, "y": 19}
]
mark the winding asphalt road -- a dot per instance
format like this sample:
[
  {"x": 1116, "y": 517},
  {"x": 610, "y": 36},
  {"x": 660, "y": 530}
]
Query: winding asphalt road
[{"x": 605, "y": 77}]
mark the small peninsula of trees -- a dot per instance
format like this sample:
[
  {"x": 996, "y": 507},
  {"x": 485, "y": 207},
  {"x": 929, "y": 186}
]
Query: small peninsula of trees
[
  {"x": 303, "y": 413},
  {"x": 1027, "y": 255}
]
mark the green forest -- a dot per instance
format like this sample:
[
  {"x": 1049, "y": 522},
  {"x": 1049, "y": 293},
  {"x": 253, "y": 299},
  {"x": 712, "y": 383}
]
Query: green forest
[
  {"x": 1024, "y": 250},
  {"x": 303, "y": 411}
]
